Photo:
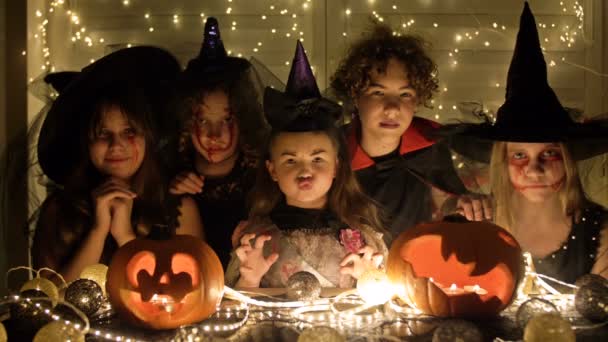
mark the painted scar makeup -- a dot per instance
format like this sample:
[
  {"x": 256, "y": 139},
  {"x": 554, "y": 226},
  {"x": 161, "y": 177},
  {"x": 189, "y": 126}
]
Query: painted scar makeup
[
  {"x": 135, "y": 158},
  {"x": 554, "y": 186},
  {"x": 519, "y": 167},
  {"x": 212, "y": 152}
]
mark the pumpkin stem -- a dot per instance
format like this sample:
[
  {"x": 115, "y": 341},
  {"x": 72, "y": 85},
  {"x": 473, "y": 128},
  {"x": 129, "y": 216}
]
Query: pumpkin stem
[
  {"x": 456, "y": 218},
  {"x": 160, "y": 232}
]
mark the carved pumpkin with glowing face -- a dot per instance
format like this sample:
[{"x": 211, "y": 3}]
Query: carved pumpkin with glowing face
[
  {"x": 469, "y": 269},
  {"x": 163, "y": 284}
]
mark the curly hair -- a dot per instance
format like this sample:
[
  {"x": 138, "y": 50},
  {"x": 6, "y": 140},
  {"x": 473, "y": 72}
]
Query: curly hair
[
  {"x": 374, "y": 51},
  {"x": 243, "y": 98}
]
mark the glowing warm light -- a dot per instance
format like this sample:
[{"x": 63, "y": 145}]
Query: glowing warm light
[{"x": 374, "y": 287}]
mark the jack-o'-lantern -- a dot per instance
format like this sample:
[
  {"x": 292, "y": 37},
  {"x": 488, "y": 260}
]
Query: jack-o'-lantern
[
  {"x": 163, "y": 283},
  {"x": 456, "y": 269}
]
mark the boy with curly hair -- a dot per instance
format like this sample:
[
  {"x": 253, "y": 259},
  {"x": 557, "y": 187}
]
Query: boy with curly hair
[{"x": 383, "y": 79}]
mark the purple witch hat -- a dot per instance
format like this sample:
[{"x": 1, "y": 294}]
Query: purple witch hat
[
  {"x": 212, "y": 57},
  {"x": 531, "y": 111},
  {"x": 300, "y": 108}
]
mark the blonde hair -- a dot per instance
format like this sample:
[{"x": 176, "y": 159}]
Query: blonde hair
[{"x": 570, "y": 195}]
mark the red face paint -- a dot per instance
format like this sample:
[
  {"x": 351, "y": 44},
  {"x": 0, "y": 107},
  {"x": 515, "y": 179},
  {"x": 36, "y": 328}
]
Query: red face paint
[
  {"x": 131, "y": 140},
  {"x": 211, "y": 152},
  {"x": 550, "y": 160}
]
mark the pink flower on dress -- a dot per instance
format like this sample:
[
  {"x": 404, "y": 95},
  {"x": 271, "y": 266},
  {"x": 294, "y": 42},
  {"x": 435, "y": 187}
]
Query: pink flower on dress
[{"x": 351, "y": 239}]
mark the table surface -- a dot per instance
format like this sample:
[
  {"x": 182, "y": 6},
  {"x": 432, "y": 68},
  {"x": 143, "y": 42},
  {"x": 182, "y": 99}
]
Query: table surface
[{"x": 265, "y": 324}]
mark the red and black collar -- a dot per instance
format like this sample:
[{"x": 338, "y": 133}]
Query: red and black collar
[{"x": 411, "y": 140}]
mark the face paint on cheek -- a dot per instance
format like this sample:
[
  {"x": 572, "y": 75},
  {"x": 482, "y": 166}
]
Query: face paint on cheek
[
  {"x": 517, "y": 166},
  {"x": 557, "y": 185},
  {"x": 199, "y": 132},
  {"x": 211, "y": 153},
  {"x": 135, "y": 158}
]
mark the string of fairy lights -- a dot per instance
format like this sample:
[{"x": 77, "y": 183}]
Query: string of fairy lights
[
  {"x": 371, "y": 305},
  {"x": 482, "y": 35}
]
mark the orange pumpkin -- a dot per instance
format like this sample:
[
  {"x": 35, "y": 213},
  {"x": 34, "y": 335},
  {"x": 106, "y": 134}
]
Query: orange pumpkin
[
  {"x": 456, "y": 269},
  {"x": 165, "y": 283}
]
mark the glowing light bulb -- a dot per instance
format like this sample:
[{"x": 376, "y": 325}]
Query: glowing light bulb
[{"x": 374, "y": 287}]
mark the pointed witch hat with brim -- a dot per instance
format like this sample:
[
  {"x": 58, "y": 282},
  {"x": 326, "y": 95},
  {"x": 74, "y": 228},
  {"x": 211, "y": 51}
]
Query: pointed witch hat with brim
[
  {"x": 142, "y": 69},
  {"x": 300, "y": 108},
  {"x": 531, "y": 111},
  {"x": 212, "y": 60}
]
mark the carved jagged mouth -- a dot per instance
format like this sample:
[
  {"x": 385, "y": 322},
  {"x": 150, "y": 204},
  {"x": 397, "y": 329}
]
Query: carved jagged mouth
[{"x": 178, "y": 287}]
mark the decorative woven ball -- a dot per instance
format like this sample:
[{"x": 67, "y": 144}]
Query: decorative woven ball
[
  {"x": 591, "y": 299},
  {"x": 549, "y": 327},
  {"x": 27, "y": 314},
  {"x": 303, "y": 286},
  {"x": 457, "y": 330},
  {"x": 591, "y": 278},
  {"x": 321, "y": 334},
  {"x": 58, "y": 331},
  {"x": 97, "y": 273},
  {"x": 84, "y": 294},
  {"x": 532, "y": 308},
  {"x": 44, "y": 285},
  {"x": 374, "y": 287}
]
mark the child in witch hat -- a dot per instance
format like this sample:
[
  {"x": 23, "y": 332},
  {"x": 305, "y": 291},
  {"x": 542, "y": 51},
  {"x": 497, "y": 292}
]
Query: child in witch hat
[
  {"x": 532, "y": 148},
  {"x": 308, "y": 213},
  {"x": 383, "y": 79},
  {"x": 99, "y": 146},
  {"x": 219, "y": 104}
]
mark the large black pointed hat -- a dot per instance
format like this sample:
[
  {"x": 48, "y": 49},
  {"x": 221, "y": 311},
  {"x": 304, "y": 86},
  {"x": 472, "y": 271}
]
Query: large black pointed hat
[
  {"x": 212, "y": 59},
  {"x": 144, "y": 70},
  {"x": 531, "y": 111},
  {"x": 60, "y": 80},
  {"x": 300, "y": 108}
]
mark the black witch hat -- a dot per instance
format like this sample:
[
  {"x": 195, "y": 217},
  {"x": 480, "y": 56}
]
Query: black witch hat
[
  {"x": 212, "y": 59},
  {"x": 531, "y": 111},
  {"x": 300, "y": 108},
  {"x": 149, "y": 70},
  {"x": 60, "y": 80}
]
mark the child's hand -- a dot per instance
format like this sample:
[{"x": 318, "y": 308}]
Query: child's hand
[
  {"x": 120, "y": 209},
  {"x": 356, "y": 264},
  {"x": 474, "y": 208},
  {"x": 253, "y": 264},
  {"x": 187, "y": 183},
  {"x": 238, "y": 232},
  {"x": 104, "y": 198}
]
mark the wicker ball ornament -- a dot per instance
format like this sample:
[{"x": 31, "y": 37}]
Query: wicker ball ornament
[
  {"x": 321, "y": 334},
  {"x": 457, "y": 330},
  {"x": 548, "y": 327},
  {"x": 532, "y": 308},
  {"x": 57, "y": 331},
  {"x": 86, "y": 295},
  {"x": 591, "y": 299},
  {"x": 303, "y": 286}
]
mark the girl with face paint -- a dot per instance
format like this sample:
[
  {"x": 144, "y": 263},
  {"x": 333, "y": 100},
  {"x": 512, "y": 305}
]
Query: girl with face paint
[
  {"x": 98, "y": 147},
  {"x": 539, "y": 199},
  {"x": 532, "y": 149},
  {"x": 221, "y": 127}
]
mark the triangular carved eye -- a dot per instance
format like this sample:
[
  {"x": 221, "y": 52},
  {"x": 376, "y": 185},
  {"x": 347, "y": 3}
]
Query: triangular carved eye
[{"x": 141, "y": 263}]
